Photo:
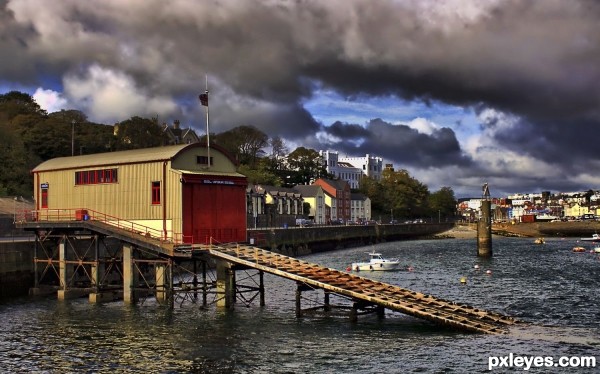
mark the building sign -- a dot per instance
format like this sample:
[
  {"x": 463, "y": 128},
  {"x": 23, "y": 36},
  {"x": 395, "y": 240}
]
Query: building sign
[
  {"x": 208, "y": 181},
  {"x": 44, "y": 185}
]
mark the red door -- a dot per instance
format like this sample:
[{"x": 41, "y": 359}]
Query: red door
[{"x": 214, "y": 210}]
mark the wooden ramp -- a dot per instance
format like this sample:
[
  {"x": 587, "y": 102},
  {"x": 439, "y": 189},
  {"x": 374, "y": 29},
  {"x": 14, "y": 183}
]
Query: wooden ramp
[{"x": 419, "y": 305}]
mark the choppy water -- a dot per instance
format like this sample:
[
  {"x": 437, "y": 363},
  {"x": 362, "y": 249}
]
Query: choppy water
[{"x": 550, "y": 287}]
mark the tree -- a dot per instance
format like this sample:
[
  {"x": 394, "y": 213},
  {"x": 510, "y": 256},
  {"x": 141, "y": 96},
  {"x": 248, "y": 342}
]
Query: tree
[
  {"x": 15, "y": 178},
  {"x": 259, "y": 175},
  {"x": 138, "y": 132},
  {"x": 443, "y": 203},
  {"x": 15, "y": 103},
  {"x": 404, "y": 194},
  {"x": 278, "y": 154},
  {"x": 246, "y": 143},
  {"x": 305, "y": 166}
]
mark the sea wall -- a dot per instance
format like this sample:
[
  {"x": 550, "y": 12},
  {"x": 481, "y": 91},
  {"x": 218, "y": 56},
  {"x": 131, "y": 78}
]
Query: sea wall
[
  {"x": 16, "y": 268},
  {"x": 302, "y": 241}
]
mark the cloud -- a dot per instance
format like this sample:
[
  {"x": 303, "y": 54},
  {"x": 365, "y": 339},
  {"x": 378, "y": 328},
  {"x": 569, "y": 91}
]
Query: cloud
[
  {"x": 111, "y": 96},
  {"x": 533, "y": 62},
  {"x": 50, "y": 101}
]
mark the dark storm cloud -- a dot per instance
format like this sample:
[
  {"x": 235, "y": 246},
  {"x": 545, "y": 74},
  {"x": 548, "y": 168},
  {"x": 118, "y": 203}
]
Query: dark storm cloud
[
  {"x": 401, "y": 144},
  {"x": 538, "y": 60}
]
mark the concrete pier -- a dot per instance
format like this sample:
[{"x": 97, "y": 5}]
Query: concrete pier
[
  {"x": 484, "y": 230},
  {"x": 129, "y": 275}
]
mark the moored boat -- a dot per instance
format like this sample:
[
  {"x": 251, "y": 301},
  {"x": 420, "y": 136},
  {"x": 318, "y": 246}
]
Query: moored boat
[
  {"x": 376, "y": 263},
  {"x": 540, "y": 241},
  {"x": 579, "y": 249},
  {"x": 594, "y": 238}
]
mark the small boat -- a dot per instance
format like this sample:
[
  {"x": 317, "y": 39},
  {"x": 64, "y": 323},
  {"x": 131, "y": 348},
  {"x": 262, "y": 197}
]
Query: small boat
[
  {"x": 376, "y": 263},
  {"x": 594, "y": 238},
  {"x": 540, "y": 241},
  {"x": 597, "y": 249},
  {"x": 579, "y": 249}
]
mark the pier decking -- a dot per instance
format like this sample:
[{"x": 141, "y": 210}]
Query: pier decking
[
  {"x": 412, "y": 303},
  {"x": 362, "y": 291}
]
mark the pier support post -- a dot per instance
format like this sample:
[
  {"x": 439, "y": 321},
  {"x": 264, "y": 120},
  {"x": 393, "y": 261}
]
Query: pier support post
[
  {"x": 261, "y": 287},
  {"x": 225, "y": 284},
  {"x": 204, "y": 285},
  {"x": 161, "y": 283},
  {"x": 484, "y": 230},
  {"x": 63, "y": 275},
  {"x": 326, "y": 306},
  {"x": 354, "y": 313},
  {"x": 298, "y": 300},
  {"x": 129, "y": 275}
]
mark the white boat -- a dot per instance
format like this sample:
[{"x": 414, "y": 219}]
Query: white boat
[
  {"x": 597, "y": 249},
  {"x": 594, "y": 238},
  {"x": 376, "y": 263}
]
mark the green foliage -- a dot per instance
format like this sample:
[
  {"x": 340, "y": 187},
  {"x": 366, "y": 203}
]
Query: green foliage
[
  {"x": 305, "y": 167},
  {"x": 246, "y": 143},
  {"x": 138, "y": 132},
  {"x": 259, "y": 175},
  {"x": 442, "y": 203}
]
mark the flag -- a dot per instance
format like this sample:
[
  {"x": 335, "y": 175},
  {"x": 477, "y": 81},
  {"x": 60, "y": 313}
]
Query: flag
[{"x": 204, "y": 99}]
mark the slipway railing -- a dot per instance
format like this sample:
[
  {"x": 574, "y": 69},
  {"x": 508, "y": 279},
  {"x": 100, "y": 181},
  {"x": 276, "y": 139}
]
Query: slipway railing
[{"x": 84, "y": 214}]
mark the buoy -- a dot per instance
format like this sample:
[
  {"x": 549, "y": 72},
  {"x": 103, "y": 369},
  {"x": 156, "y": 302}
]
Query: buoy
[
  {"x": 410, "y": 268},
  {"x": 489, "y": 272},
  {"x": 476, "y": 267},
  {"x": 463, "y": 280},
  {"x": 348, "y": 268}
]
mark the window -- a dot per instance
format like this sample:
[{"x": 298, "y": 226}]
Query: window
[
  {"x": 44, "y": 198},
  {"x": 155, "y": 193},
  {"x": 203, "y": 160},
  {"x": 96, "y": 176}
]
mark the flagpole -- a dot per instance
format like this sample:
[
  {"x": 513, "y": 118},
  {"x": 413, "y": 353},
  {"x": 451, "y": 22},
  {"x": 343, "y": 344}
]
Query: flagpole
[{"x": 207, "y": 128}]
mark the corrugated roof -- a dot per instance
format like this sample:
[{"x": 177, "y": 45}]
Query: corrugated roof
[{"x": 113, "y": 158}]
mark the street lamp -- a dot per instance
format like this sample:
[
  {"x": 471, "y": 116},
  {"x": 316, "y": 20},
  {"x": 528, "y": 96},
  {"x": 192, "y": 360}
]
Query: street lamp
[{"x": 73, "y": 137}]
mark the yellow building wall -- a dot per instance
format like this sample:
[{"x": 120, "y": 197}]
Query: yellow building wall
[{"x": 131, "y": 197}]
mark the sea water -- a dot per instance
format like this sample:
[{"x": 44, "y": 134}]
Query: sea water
[{"x": 553, "y": 290}]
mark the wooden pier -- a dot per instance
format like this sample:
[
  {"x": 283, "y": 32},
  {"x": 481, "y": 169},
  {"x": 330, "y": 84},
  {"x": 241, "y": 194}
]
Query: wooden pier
[
  {"x": 145, "y": 265},
  {"x": 361, "y": 289}
]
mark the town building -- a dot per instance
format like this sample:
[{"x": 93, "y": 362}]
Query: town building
[
  {"x": 360, "y": 208},
  {"x": 337, "y": 198},
  {"x": 352, "y": 169},
  {"x": 188, "y": 193},
  {"x": 314, "y": 196},
  {"x": 176, "y": 135},
  {"x": 272, "y": 206}
]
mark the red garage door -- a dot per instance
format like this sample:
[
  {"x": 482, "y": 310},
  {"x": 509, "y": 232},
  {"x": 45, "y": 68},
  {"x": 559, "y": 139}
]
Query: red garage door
[{"x": 214, "y": 208}]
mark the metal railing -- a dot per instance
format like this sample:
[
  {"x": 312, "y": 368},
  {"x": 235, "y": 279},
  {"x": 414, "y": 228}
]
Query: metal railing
[{"x": 83, "y": 214}]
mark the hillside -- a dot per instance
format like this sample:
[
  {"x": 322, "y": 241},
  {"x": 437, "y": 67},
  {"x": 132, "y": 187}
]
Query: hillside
[{"x": 8, "y": 205}]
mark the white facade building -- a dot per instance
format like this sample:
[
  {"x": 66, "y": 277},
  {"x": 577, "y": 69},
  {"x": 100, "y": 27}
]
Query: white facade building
[{"x": 351, "y": 169}]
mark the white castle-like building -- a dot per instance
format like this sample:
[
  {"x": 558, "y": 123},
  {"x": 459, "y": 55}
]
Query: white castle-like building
[{"x": 351, "y": 169}]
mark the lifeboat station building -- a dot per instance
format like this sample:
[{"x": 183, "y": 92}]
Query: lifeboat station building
[{"x": 186, "y": 193}]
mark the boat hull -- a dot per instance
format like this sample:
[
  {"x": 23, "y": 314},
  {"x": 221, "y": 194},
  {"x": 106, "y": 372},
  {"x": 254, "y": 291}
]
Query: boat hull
[{"x": 382, "y": 266}]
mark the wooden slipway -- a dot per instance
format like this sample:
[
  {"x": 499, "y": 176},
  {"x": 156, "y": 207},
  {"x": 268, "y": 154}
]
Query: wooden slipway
[{"x": 416, "y": 304}]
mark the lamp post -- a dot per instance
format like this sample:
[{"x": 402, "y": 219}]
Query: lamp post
[{"x": 73, "y": 137}]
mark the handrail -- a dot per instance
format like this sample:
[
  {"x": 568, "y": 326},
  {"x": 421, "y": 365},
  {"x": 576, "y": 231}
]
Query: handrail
[{"x": 83, "y": 214}]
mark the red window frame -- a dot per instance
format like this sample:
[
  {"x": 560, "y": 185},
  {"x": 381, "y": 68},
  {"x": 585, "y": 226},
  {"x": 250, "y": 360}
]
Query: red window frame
[
  {"x": 155, "y": 193},
  {"x": 99, "y": 176}
]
